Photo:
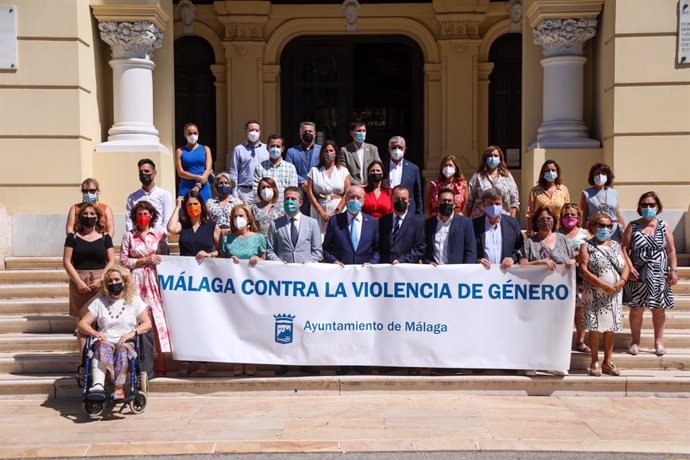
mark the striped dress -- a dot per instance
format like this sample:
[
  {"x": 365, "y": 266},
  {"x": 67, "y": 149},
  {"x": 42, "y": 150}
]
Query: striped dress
[{"x": 650, "y": 259}]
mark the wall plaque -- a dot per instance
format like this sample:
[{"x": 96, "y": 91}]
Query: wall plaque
[
  {"x": 684, "y": 32},
  {"x": 8, "y": 37}
]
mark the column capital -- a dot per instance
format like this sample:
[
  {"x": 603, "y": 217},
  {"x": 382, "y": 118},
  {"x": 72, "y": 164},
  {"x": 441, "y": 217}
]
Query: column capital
[
  {"x": 131, "y": 11},
  {"x": 131, "y": 39},
  {"x": 561, "y": 37}
]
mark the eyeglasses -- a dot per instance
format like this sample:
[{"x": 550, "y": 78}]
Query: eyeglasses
[
  {"x": 90, "y": 190},
  {"x": 647, "y": 205},
  {"x": 600, "y": 225}
]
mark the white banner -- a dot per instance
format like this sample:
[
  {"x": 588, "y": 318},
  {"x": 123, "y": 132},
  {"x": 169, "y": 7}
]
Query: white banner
[{"x": 459, "y": 316}]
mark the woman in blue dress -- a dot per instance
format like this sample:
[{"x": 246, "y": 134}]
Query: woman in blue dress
[{"x": 194, "y": 164}]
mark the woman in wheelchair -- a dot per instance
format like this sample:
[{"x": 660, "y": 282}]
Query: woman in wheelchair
[{"x": 120, "y": 315}]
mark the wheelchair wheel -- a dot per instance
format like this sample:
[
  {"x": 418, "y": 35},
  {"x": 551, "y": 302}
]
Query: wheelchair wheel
[
  {"x": 93, "y": 408},
  {"x": 144, "y": 382},
  {"x": 138, "y": 404}
]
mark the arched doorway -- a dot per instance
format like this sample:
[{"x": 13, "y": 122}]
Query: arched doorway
[
  {"x": 195, "y": 90},
  {"x": 333, "y": 80},
  {"x": 505, "y": 97}
]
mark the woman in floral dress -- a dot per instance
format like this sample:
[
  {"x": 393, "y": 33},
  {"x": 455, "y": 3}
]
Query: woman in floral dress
[{"x": 140, "y": 252}]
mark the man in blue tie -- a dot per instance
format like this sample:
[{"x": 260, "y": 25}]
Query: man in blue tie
[
  {"x": 402, "y": 232},
  {"x": 352, "y": 237}
]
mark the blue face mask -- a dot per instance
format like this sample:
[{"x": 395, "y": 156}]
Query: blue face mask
[
  {"x": 291, "y": 207},
  {"x": 354, "y": 206},
  {"x": 649, "y": 213},
  {"x": 493, "y": 162},
  {"x": 89, "y": 197},
  {"x": 550, "y": 176},
  {"x": 603, "y": 234},
  {"x": 360, "y": 136},
  {"x": 274, "y": 152},
  {"x": 225, "y": 190},
  {"x": 493, "y": 210}
]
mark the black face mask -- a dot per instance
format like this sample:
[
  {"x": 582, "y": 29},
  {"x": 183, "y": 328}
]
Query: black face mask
[
  {"x": 145, "y": 179},
  {"x": 376, "y": 177},
  {"x": 446, "y": 209},
  {"x": 88, "y": 222},
  {"x": 116, "y": 288},
  {"x": 307, "y": 138},
  {"x": 400, "y": 206}
]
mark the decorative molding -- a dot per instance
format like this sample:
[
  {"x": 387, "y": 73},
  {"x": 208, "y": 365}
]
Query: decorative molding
[
  {"x": 514, "y": 8},
  {"x": 460, "y": 25},
  {"x": 131, "y": 39},
  {"x": 244, "y": 28},
  {"x": 558, "y": 9},
  {"x": 561, "y": 37},
  {"x": 432, "y": 72},
  {"x": 351, "y": 12},
  {"x": 187, "y": 12},
  {"x": 132, "y": 13}
]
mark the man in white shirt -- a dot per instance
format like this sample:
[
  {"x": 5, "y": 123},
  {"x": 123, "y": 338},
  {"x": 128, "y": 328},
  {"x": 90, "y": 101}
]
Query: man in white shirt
[
  {"x": 449, "y": 236},
  {"x": 357, "y": 155},
  {"x": 403, "y": 172},
  {"x": 498, "y": 235},
  {"x": 245, "y": 157},
  {"x": 161, "y": 199}
]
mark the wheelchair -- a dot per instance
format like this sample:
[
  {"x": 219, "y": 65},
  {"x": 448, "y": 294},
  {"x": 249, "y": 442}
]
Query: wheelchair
[{"x": 95, "y": 403}]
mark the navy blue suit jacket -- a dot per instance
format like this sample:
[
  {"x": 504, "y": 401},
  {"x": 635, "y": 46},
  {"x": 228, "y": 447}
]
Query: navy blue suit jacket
[
  {"x": 412, "y": 180},
  {"x": 511, "y": 237},
  {"x": 337, "y": 244},
  {"x": 408, "y": 246},
  {"x": 297, "y": 155},
  {"x": 461, "y": 242}
]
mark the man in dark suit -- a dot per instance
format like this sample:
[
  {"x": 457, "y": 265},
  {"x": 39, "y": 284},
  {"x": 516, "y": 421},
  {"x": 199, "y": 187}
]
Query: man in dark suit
[
  {"x": 401, "y": 233},
  {"x": 403, "y": 172},
  {"x": 304, "y": 157},
  {"x": 449, "y": 236},
  {"x": 352, "y": 237},
  {"x": 357, "y": 155},
  {"x": 498, "y": 235}
]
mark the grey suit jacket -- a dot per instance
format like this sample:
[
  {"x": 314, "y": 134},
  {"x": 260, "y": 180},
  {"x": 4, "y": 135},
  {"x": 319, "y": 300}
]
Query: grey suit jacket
[
  {"x": 348, "y": 158},
  {"x": 280, "y": 246}
]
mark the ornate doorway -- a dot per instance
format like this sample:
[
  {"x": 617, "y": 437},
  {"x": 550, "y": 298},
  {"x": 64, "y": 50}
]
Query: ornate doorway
[{"x": 334, "y": 80}]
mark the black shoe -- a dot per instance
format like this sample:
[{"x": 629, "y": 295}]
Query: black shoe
[
  {"x": 310, "y": 370},
  {"x": 280, "y": 370},
  {"x": 342, "y": 370},
  {"x": 413, "y": 371}
]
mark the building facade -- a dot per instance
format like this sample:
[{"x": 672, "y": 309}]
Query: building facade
[{"x": 98, "y": 84}]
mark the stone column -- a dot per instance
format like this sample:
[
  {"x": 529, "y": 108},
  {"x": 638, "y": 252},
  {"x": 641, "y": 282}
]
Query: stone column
[
  {"x": 563, "y": 41},
  {"x": 132, "y": 46}
]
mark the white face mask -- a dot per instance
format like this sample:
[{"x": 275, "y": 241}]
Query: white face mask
[
  {"x": 397, "y": 154},
  {"x": 600, "y": 179},
  {"x": 267, "y": 194},
  {"x": 253, "y": 135},
  {"x": 449, "y": 171},
  {"x": 240, "y": 222},
  {"x": 192, "y": 138}
]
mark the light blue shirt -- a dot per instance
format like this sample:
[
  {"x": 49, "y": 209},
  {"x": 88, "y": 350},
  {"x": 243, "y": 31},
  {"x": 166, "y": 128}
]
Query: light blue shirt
[
  {"x": 493, "y": 241},
  {"x": 245, "y": 158}
]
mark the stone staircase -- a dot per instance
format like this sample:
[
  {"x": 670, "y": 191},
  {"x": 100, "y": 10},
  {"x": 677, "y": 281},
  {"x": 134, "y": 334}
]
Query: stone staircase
[{"x": 38, "y": 354}]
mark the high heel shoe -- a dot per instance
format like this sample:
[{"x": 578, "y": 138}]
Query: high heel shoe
[
  {"x": 238, "y": 370},
  {"x": 659, "y": 349},
  {"x": 249, "y": 369},
  {"x": 594, "y": 369},
  {"x": 610, "y": 369}
]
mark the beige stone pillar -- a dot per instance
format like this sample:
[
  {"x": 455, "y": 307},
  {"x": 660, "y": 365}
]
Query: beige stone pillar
[
  {"x": 244, "y": 45},
  {"x": 484, "y": 71},
  {"x": 222, "y": 162}
]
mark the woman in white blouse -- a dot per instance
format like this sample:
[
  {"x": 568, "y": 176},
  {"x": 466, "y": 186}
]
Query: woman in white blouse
[{"x": 327, "y": 184}]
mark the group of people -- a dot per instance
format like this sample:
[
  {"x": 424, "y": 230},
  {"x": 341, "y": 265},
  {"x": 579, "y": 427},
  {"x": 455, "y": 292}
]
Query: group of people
[{"x": 321, "y": 203}]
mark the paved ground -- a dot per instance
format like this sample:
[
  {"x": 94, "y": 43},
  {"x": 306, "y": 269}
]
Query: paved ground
[{"x": 451, "y": 421}]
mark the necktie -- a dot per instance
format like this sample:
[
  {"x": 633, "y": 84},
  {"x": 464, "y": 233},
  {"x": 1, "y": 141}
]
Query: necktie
[
  {"x": 293, "y": 232},
  {"x": 354, "y": 234},
  {"x": 396, "y": 227}
]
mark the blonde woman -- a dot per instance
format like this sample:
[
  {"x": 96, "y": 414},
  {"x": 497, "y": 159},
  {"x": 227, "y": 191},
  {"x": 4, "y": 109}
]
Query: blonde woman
[{"x": 121, "y": 316}]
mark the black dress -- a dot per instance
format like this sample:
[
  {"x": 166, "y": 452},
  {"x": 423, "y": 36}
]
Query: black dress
[{"x": 192, "y": 242}]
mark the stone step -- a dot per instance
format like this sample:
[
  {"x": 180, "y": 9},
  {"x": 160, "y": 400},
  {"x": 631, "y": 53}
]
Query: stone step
[
  {"x": 36, "y": 362},
  {"x": 673, "y": 338},
  {"x": 33, "y": 263},
  {"x": 34, "y": 306},
  {"x": 43, "y": 290},
  {"x": 37, "y": 324},
  {"x": 34, "y": 342},
  {"x": 682, "y": 288},
  {"x": 630, "y": 383},
  {"x": 33, "y": 276}
]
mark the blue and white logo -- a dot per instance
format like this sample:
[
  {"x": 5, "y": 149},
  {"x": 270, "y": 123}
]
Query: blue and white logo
[{"x": 283, "y": 329}]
